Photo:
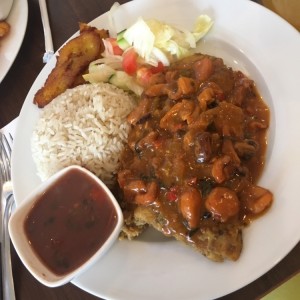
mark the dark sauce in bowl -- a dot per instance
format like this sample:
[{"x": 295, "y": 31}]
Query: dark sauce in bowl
[{"x": 70, "y": 221}]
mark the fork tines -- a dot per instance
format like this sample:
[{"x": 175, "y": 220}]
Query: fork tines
[{"x": 5, "y": 157}]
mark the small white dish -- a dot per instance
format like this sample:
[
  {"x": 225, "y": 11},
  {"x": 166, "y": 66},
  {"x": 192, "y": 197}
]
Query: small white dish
[{"x": 29, "y": 220}]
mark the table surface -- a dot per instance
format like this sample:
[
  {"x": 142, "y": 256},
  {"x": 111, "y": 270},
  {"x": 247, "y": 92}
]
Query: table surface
[{"x": 64, "y": 17}]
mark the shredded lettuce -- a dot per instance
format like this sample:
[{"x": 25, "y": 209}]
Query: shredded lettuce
[
  {"x": 162, "y": 32},
  {"x": 140, "y": 36},
  {"x": 156, "y": 41},
  {"x": 157, "y": 56},
  {"x": 202, "y": 26}
]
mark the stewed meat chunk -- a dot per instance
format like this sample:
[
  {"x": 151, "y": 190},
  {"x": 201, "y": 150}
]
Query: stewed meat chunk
[{"x": 194, "y": 155}]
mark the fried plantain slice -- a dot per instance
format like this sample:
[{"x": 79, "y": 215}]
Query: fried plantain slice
[{"x": 73, "y": 59}]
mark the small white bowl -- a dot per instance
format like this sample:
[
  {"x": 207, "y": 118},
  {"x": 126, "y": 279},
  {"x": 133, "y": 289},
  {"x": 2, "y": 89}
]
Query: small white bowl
[{"x": 25, "y": 251}]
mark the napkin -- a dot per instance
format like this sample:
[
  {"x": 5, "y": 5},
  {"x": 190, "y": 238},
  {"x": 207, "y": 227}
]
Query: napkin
[{"x": 10, "y": 128}]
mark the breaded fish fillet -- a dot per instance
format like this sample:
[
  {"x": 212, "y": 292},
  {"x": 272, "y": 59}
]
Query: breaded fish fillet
[{"x": 217, "y": 242}]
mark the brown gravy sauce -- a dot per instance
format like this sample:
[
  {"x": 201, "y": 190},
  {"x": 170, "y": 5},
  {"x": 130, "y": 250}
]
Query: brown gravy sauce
[{"x": 200, "y": 112}]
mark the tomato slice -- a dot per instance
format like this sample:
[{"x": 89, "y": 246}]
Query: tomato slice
[
  {"x": 130, "y": 61},
  {"x": 144, "y": 73},
  {"x": 115, "y": 47}
]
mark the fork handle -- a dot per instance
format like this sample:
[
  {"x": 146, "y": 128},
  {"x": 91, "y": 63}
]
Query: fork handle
[
  {"x": 47, "y": 31},
  {"x": 7, "y": 277}
]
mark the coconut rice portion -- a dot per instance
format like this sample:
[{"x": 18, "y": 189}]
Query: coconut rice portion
[{"x": 84, "y": 126}]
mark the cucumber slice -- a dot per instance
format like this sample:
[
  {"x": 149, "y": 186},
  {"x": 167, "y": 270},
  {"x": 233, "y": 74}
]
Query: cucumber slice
[
  {"x": 99, "y": 73},
  {"x": 120, "y": 34},
  {"x": 123, "y": 44},
  {"x": 123, "y": 81},
  {"x": 120, "y": 79}
]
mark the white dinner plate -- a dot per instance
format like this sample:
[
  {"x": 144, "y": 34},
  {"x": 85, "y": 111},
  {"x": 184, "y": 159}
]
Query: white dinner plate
[
  {"x": 10, "y": 45},
  {"x": 264, "y": 46}
]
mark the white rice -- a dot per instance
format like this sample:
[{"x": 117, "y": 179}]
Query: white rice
[{"x": 84, "y": 126}]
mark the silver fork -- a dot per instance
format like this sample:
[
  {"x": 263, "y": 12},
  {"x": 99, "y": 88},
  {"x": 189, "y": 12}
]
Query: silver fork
[{"x": 7, "y": 205}]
